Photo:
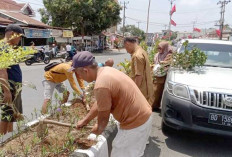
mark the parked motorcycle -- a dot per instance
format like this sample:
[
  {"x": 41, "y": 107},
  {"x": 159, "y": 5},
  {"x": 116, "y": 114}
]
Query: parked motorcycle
[
  {"x": 40, "y": 56},
  {"x": 68, "y": 57},
  {"x": 58, "y": 54}
]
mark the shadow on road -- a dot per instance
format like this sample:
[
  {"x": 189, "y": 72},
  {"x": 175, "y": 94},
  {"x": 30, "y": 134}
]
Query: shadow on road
[
  {"x": 152, "y": 149},
  {"x": 198, "y": 145}
]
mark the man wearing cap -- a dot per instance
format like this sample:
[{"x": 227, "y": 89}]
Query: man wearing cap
[
  {"x": 12, "y": 77},
  {"x": 116, "y": 93},
  {"x": 54, "y": 79}
]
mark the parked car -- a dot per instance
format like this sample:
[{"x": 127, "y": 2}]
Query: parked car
[{"x": 201, "y": 100}]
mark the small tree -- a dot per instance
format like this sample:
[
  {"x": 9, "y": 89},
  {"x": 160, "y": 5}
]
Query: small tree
[
  {"x": 134, "y": 31},
  {"x": 11, "y": 56},
  {"x": 189, "y": 58},
  {"x": 85, "y": 16}
]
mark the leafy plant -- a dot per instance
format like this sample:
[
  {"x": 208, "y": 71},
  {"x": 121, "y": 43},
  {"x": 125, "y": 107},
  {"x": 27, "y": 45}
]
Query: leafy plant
[
  {"x": 153, "y": 52},
  {"x": 144, "y": 45},
  {"x": 126, "y": 67},
  {"x": 189, "y": 58},
  {"x": 11, "y": 55}
]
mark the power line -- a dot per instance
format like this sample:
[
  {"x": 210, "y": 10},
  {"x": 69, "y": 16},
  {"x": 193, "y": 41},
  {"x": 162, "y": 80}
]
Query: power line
[
  {"x": 179, "y": 12},
  {"x": 179, "y": 25},
  {"x": 142, "y": 21}
]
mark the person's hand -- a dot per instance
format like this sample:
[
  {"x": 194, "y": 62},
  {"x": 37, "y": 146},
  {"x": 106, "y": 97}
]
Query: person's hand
[
  {"x": 81, "y": 124},
  {"x": 7, "y": 97},
  {"x": 81, "y": 95},
  {"x": 95, "y": 130}
]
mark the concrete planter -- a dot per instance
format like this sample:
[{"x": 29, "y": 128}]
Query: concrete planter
[{"x": 101, "y": 149}]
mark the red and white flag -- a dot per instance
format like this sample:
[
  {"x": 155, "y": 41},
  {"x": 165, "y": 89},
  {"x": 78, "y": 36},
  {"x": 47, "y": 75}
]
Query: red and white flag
[
  {"x": 190, "y": 37},
  {"x": 173, "y": 23},
  {"x": 218, "y": 32},
  {"x": 173, "y": 9},
  {"x": 197, "y": 30}
]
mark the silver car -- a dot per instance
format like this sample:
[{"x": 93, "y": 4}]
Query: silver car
[{"x": 201, "y": 100}]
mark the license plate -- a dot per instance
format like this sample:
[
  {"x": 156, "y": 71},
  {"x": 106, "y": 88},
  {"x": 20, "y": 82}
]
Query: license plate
[{"x": 220, "y": 119}]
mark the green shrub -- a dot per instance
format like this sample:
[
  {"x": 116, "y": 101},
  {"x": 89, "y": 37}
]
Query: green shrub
[{"x": 189, "y": 58}]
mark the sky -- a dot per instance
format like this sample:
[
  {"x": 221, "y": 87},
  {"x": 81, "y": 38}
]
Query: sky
[{"x": 205, "y": 13}]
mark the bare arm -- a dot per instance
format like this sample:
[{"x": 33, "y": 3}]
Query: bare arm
[
  {"x": 90, "y": 116},
  {"x": 80, "y": 82},
  {"x": 103, "y": 119},
  {"x": 5, "y": 86},
  {"x": 72, "y": 82}
]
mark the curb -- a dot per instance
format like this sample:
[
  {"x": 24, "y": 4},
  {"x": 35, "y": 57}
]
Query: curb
[{"x": 103, "y": 147}]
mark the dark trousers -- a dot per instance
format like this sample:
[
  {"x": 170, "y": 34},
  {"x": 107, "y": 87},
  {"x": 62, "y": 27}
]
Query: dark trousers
[{"x": 158, "y": 88}]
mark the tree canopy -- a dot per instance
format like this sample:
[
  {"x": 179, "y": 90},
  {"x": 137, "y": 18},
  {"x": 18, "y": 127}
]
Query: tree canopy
[
  {"x": 85, "y": 16},
  {"x": 134, "y": 31}
]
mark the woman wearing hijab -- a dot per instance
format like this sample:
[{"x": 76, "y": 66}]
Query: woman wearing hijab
[{"x": 162, "y": 58}]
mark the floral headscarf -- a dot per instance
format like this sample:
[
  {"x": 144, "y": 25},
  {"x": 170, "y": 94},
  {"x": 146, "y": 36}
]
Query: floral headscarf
[{"x": 166, "y": 50}]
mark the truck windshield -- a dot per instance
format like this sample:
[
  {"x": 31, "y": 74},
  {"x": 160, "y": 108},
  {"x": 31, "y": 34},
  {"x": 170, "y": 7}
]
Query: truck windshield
[{"x": 219, "y": 55}]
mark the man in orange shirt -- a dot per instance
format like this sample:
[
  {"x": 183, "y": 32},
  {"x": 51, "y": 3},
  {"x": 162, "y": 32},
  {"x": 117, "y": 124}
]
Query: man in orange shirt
[
  {"x": 129, "y": 107},
  {"x": 54, "y": 79}
]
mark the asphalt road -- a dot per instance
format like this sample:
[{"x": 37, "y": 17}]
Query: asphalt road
[{"x": 176, "y": 144}]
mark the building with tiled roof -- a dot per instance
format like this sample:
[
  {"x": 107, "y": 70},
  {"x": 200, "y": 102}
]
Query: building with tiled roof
[
  {"x": 22, "y": 19},
  {"x": 5, "y": 21},
  {"x": 19, "y": 13},
  {"x": 10, "y": 5}
]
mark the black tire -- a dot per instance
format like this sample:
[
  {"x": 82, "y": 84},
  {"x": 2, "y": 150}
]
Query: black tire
[
  {"x": 28, "y": 62},
  {"x": 166, "y": 129},
  {"x": 47, "y": 60}
]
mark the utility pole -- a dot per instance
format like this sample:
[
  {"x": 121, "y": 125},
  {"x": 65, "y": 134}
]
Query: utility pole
[
  {"x": 124, "y": 16},
  {"x": 222, "y": 19},
  {"x": 165, "y": 26},
  {"x": 148, "y": 14},
  {"x": 138, "y": 23},
  {"x": 169, "y": 28}
]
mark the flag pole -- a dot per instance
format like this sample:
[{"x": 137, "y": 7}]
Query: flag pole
[{"x": 169, "y": 29}]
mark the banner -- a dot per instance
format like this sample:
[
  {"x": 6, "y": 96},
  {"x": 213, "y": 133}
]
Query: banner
[
  {"x": 56, "y": 33},
  {"x": 67, "y": 34},
  {"x": 37, "y": 33}
]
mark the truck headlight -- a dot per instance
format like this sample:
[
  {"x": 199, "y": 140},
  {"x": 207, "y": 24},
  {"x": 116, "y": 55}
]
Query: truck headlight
[{"x": 178, "y": 90}]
